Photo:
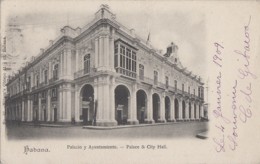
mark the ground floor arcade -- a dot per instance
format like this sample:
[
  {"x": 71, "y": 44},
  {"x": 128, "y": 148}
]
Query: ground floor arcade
[{"x": 105, "y": 101}]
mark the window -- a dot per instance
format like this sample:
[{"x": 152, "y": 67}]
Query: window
[
  {"x": 175, "y": 84},
  {"x": 155, "y": 77},
  {"x": 125, "y": 60},
  {"x": 199, "y": 91},
  {"x": 45, "y": 76},
  {"x": 37, "y": 80},
  {"x": 167, "y": 81},
  {"x": 116, "y": 56},
  {"x": 29, "y": 82},
  {"x": 43, "y": 95},
  {"x": 189, "y": 90},
  {"x": 55, "y": 71},
  {"x": 35, "y": 99},
  {"x": 202, "y": 92},
  {"x": 86, "y": 63},
  {"x": 194, "y": 92},
  {"x": 182, "y": 87},
  {"x": 141, "y": 71},
  {"x": 54, "y": 92}
]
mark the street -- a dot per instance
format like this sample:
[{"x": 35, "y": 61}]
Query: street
[{"x": 174, "y": 130}]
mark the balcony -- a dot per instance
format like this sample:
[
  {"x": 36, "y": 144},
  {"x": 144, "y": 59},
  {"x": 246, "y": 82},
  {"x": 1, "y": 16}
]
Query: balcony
[
  {"x": 43, "y": 100},
  {"x": 83, "y": 72},
  {"x": 146, "y": 80},
  {"x": 126, "y": 72},
  {"x": 41, "y": 84},
  {"x": 53, "y": 79},
  {"x": 54, "y": 99}
]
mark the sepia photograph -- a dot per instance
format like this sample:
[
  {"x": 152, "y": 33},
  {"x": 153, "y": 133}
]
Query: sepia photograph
[{"x": 129, "y": 81}]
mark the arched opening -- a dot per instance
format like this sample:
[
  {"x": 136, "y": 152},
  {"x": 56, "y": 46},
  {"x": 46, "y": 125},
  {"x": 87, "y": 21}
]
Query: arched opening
[
  {"x": 199, "y": 111},
  {"x": 87, "y": 105},
  {"x": 190, "y": 110},
  {"x": 183, "y": 110},
  {"x": 141, "y": 101},
  {"x": 167, "y": 108},
  {"x": 195, "y": 111},
  {"x": 176, "y": 108},
  {"x": 122, "y": 96},
  {"x": 156, "y": 107}
]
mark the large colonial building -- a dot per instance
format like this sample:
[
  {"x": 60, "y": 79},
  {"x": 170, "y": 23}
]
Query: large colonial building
[{"x": 104, "y": 74}]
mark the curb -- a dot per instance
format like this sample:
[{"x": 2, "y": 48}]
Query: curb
[{"x": 133, "y": 126}]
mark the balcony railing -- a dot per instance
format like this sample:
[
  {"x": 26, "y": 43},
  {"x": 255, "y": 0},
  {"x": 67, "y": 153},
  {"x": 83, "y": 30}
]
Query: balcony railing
[
  {"x": 53, "y": 79},
  {"x": 43, "y": 100},
  {"x": 146, "y": 80},
  {"x": 54, "y": 99},
  {"x": 83, "y": 72},
  {"x": 126, "y": 72},
  {"x": 41, "y": 84}
]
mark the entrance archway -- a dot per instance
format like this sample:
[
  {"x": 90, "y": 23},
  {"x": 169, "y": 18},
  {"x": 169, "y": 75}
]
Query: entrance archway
[
  {"x": 190, "y": 110},
  {"x": 167, "y": 108},
  {"x": 156, "y": 107},
  {"x": 87, "y": 104},
  {"x": 141, "y": 101},
  {"x": 176, "y": 109},
  {"x": 183, "y": 109},
  {"x": 122, "y": 98},
  {"x": 195, "y": 111}
]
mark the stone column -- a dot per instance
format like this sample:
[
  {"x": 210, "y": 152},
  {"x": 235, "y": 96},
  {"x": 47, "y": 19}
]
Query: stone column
[
  {"x": 77, "y": 106},
  {"x": 60, "y": 108},
  {"x": 64, "y": 63},
  {"x": 100, "y": 101},
  {"x": 112, "y": 53},
  {"x": 201, "y": 111},
  {"x": 106, "y": 52},
  {"x": 48, "y": 109},
  {"x": 172, "y": 113},
  {"x": 112, "y": 102},
  {"x": 106, "y": 99},
  {"x": 32, "y": 109},
  {"x": 40, "y": 75},
  {"x": 39, "y": 107},
  {"x": 162, "y": 108},
  {"x": 187, "y": 110},
  {"x": 150, "y": 107},
  {"x": 180, "y": 110},
  {"x": 192, "y": 111},
  {"x": 77, "y": 61},
  {"x": 32, "y": 80},
  {"x": 132, "y": 107},
  {"x": 61, "y": 66},
  {"x": 96, "y": 53},
  {"x": 23, "y": 113},
  {"x": 197, "y": 111},
  {"x": 68, "y": 105},
  {"x": 101, "y": 52},
  {"x": 50, "y": 71},
  {"x": 28, "y": 109},
  {"x": 68, "y": 64}
]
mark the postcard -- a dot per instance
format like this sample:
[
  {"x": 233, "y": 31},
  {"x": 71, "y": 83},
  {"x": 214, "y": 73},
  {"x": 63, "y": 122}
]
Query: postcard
[{"x": 130, "y": 82}]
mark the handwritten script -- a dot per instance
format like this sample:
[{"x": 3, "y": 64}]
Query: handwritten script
[{"x": 241, "y": 90}]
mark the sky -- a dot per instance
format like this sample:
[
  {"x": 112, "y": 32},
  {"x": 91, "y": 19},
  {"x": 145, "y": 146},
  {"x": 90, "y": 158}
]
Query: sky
[{"x": 166, "y": 22}]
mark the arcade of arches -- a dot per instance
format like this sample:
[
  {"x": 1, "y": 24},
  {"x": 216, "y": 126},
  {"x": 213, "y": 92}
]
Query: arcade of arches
[{"x": 135, "y": 106}]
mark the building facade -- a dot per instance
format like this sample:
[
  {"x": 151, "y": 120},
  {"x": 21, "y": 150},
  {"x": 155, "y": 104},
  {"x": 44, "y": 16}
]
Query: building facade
[{"x": 104, "y": 74}]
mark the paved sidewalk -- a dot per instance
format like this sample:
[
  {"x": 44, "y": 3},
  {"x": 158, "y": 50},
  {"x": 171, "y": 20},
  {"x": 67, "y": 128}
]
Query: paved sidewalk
[{"x": 132, "y": 126}]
